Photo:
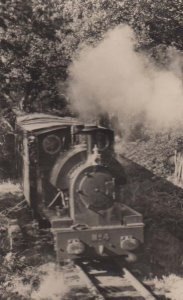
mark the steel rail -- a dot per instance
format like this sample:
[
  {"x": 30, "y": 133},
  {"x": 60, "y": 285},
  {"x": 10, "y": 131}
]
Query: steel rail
[{"x": 111, "y": 283}]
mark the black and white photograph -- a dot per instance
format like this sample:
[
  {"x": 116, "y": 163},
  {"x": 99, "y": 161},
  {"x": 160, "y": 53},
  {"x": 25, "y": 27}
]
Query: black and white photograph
[{"x": 91, "y": 150}]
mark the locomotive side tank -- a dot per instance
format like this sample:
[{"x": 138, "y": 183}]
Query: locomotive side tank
[{"x": 72, "y": 179}]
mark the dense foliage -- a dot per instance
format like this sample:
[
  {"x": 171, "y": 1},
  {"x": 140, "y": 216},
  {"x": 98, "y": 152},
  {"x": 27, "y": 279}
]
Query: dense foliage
[{"x": 38, "y": 39}]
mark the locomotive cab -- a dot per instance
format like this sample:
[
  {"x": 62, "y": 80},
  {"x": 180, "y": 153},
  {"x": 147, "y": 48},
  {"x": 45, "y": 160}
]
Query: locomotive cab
[
  {"x": 40, "y": 139},
  {"x": 71, "y": 178}
]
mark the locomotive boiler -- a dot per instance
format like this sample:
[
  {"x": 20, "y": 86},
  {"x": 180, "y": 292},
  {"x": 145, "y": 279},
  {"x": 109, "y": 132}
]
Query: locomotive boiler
[{"x": 72, "y": 180}]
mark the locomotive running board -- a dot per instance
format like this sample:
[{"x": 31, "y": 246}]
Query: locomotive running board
[{"x": 129, "y": 216}]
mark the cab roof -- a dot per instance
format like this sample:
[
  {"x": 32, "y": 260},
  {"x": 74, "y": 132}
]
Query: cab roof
[{"x": 40, "y": 121}]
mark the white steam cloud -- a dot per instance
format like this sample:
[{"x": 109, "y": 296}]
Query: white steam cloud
[{"x": 114, "y": 78}]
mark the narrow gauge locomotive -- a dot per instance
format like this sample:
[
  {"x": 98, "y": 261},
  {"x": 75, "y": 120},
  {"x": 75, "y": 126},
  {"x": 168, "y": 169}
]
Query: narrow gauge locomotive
[{"x": 72, "y": 179}]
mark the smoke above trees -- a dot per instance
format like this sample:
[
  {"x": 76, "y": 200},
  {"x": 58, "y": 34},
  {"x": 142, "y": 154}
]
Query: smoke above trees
[{"x": 113, "y": 77}]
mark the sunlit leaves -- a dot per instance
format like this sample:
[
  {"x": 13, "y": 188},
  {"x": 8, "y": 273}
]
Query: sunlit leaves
[{"x": 38, "y": 38}]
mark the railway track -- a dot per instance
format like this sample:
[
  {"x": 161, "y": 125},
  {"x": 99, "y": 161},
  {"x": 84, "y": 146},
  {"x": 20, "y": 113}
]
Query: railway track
[{"x": 107, "y": 280}]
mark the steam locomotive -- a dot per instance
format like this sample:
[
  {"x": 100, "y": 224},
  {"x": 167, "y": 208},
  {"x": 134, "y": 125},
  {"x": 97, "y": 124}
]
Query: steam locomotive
[{"x": 72, "y": 179}]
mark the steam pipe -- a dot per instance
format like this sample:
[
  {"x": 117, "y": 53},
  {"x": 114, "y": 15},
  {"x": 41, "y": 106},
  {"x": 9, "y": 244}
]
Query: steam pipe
[{"x": 89, "y": 144}]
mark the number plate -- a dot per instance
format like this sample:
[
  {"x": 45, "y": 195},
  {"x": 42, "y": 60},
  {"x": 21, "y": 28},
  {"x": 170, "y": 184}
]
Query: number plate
[{"x": 100, "y": 237}]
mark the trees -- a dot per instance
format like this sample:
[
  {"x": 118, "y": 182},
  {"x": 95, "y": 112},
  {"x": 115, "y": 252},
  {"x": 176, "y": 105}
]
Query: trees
[
  {"x": 31, "y": 58},
  {"x": 38, "y": 39}
]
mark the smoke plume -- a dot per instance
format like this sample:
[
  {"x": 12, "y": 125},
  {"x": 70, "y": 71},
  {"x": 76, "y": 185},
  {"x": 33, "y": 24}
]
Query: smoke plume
[{"x": 112, "y": 77}]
